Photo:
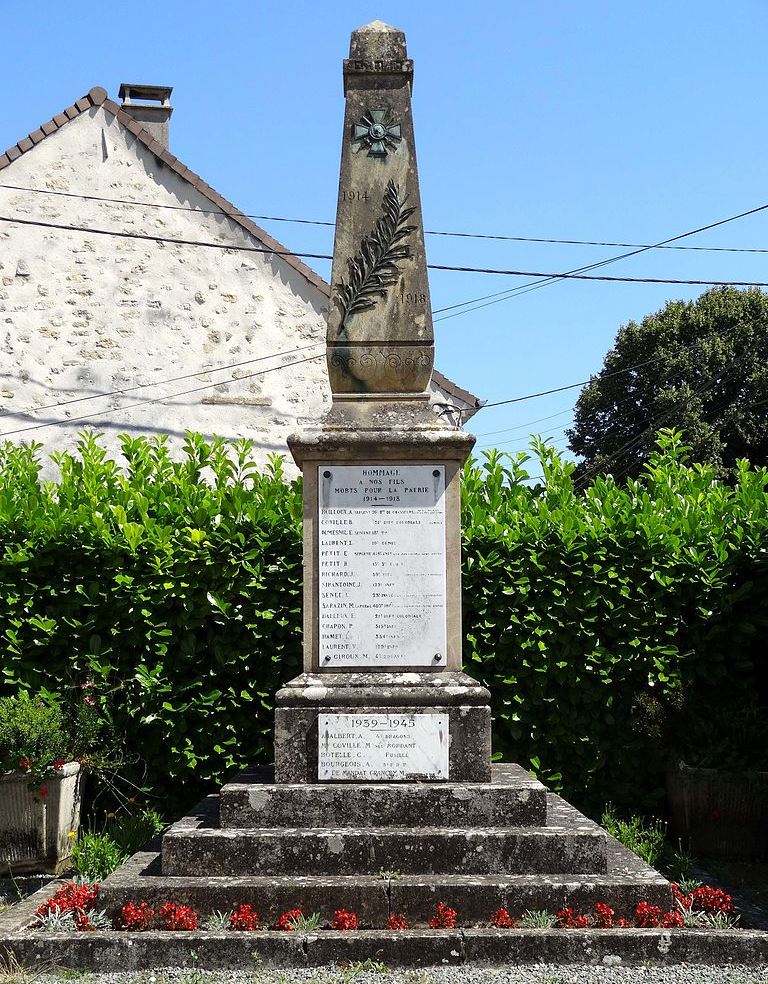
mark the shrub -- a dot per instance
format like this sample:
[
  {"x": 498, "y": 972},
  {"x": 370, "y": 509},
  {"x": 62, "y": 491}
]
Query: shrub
[
  {"x": 94, "y": 856},
  {"x": 596, "y": 620},
  {"x": 33, "y": 736}
]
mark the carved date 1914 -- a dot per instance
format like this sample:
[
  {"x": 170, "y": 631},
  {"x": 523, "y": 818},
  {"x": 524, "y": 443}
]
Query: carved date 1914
[{"x": 374, "y": 268}]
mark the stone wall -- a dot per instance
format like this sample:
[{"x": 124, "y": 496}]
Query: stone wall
[{"x": 84, "y": 314}]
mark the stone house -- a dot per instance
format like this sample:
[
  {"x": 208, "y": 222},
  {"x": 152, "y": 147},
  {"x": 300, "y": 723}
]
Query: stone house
[{"x": 119, "y": 329}]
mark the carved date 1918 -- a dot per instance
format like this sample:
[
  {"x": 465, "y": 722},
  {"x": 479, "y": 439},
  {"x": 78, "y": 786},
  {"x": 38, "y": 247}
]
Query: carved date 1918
[{"x": 413, "y": 297}]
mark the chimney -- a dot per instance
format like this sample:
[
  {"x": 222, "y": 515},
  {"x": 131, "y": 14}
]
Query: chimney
[{"x": 149, "y": 105}]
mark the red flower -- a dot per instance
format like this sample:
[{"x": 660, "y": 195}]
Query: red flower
[
  {"x": 672, "y": 919},
  {"x": 287, "y": 920},
  {"x": 135, "y": 916},
  {"x": 25, "y": 763},
  {"x": 622, "y": 923},
  {"x": 444, "y": 918},
  {"x": 83, "y": 923},
  {"x": 70, "y": 898},
  {"x": 708, "y": 899},
  {"x": 174, "y": 916},
  {"x": 244, "y": 917},
  {"x": 501, "y": 919},
  {"x": 567, "y": 920},
  {"x": 397, "y": 921},
  {"x": 677, "y": 895},
  {"x": 603, "y": 915},
  {"x": 343, "y": 919},
  {"x": 59, "y": 763},
  {"x": 43, "y": 791},
  {"x": 647, "y": 916},
  {"x": 90, "y": 701}
]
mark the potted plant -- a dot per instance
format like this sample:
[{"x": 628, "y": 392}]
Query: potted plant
[
  {"x": 717, "y": 783},
  {"x": 41, "y": 766}
]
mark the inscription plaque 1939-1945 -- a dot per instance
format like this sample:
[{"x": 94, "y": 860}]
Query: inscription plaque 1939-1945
[
  {"x": 381, "y": 566},
  {"x": 382, "y": 747}
]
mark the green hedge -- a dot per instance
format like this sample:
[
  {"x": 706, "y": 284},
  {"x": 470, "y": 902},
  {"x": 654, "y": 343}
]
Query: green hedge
[{"x": 176, "y": 587}]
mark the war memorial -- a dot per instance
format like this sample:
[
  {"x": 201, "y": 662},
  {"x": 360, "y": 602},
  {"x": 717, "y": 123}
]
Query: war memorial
[{"x": 384, "y": 800}]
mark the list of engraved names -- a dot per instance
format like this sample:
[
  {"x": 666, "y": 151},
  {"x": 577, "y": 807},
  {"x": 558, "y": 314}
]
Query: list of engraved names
[
  {"x": 382, "y": 746},
  {"x": 381, "y": 564}
]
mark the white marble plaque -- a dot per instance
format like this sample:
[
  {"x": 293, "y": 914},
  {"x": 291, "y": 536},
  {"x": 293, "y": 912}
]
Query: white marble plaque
[
  {"x": 382, "y": 746},
  {"x": 381, "y": 566}
]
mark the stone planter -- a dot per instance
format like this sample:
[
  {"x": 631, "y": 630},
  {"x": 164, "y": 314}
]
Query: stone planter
[
  {"x": 717, "y": 813},
  {"x": 33, "y": 829}
]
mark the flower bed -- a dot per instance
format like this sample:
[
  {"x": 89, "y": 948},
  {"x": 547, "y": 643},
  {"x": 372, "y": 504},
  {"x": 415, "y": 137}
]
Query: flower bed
[{"x": 74, "y": 908}]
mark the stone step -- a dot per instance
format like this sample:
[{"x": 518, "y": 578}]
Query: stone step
[
  {"x": 627, "y": 882},
  {"x": 511, "y": 798},
  {"x": 350, "y": 851}
]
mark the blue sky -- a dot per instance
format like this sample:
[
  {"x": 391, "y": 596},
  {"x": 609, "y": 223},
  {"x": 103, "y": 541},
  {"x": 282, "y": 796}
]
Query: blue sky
[{"x": 575, "y": 120}]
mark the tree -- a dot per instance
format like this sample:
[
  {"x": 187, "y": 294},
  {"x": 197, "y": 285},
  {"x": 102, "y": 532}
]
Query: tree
[{"x": 700, "y": 366}]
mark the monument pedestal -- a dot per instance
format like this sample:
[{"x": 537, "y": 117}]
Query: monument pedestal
[{"x": 456, "y": 747}]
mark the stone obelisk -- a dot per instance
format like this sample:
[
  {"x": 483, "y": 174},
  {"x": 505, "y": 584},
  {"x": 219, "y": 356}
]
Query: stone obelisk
[{"x": 382, "y": 696}]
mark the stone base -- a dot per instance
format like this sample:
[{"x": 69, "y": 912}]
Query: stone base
[{"x": 298, "y": 704}]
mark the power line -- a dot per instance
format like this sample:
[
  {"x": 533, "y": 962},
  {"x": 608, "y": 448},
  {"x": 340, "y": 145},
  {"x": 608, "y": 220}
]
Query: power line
[
  {"x": 527, "y": 423},
  {"x": 123, "y": 234},
  {"x": 562, "y": 389},
  {"x": 159, "y": 399},
  {"x": 428, "y": 232},
  {"x": 157, "y": 382},
  {"x": 581, "y": 276},
  {"x": 522, "y": 442},
  {"x": 534, "y": 285}
]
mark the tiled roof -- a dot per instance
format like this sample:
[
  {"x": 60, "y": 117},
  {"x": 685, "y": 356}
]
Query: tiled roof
[{"x": 97, "y": 96}]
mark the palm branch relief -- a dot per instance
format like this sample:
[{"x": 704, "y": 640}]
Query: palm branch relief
[{"x": 375, "y": 267}]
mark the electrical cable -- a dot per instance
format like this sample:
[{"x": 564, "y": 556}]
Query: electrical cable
[
  {"x": 546, "y": 277},
  {"x": 158, "y": 382},
  {"x": 159, "y": 399},
  {"x": 524, "y": 288},
  {"x": 428, "y": 232}
]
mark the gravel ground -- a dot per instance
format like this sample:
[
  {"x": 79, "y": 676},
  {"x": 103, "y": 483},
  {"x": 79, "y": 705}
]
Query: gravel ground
[{"x": 519, "y": 974}]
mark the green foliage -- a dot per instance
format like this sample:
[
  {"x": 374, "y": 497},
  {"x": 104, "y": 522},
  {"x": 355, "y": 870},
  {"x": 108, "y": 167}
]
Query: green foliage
[
  {"x": 173, "y": 587},
  {"x": 32, "y": 733},
  {"x": 598, "y": 621},
  {"x": 537, "y": 919},
  {"x": 706, "y": 375},
  {"x": 132, "y": 831},
  {"x": 94, "y": 856},
  {"x": 602, "y": 622},
  {"x": 646, "y": 839}
]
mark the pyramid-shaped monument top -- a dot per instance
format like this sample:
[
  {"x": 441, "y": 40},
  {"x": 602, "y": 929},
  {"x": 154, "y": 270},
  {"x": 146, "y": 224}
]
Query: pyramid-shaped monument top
[{"x": 376, "y": 41}]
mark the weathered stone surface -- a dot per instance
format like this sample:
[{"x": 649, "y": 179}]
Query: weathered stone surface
[
  {"x": 380, "y": 323},
  {"x": 367, "y": 895},
  {"x": 112, "y": 952},
  {"x": 511, "y": 797},
  {"x": 412, "y": 948},
  {"x": 296, "y": 739},
  {"x": 564, "y": 946},
  {"x": 344, "y": 851}
]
